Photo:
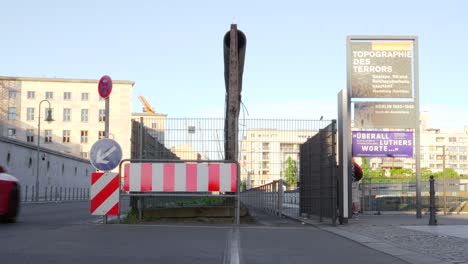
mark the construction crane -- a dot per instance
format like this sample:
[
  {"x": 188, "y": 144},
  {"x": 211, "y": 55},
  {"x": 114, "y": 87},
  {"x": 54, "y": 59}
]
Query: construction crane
[{"x": 146, "y": 106}]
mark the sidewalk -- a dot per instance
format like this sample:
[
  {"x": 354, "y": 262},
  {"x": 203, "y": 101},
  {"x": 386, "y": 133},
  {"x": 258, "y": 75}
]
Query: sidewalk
[{"x": 406, "y": 237}]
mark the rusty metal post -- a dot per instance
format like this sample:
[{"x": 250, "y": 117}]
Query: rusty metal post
[
  {"x": 233, "y": 103},
  {"x": 432, "y": 206}
]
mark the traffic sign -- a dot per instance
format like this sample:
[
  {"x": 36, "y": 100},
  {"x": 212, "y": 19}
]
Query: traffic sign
[
  {"x": 105, "y": 154},
  {"x": 105, "y": 86}
]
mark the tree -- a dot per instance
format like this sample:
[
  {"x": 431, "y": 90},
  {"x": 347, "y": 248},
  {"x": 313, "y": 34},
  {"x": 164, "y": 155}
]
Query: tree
[
  {"x": 243, "y": 186},
  {"x": 365, "y": 166},
  {"x": 290, "y": 173},
  {"x": 449, "y": 173}
]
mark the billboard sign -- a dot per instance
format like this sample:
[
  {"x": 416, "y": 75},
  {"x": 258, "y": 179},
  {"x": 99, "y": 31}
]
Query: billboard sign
[
  {"x": 384, "y": 115},
  {"x": 381, "y": 69},
  {"x": 383, "y": 144}
]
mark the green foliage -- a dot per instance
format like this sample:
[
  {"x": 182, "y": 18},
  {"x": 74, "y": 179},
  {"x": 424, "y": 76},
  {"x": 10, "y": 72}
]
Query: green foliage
[
  {"x": 365, "y": 166},
  {"x": 449, "y": 173},
  {"x": 401, "y": 172},
  {"x": 202, "y": 201},
  {"x": 290, "y": 173},
  {"x": 132, "y": 217},
  {"x": 243, "y": 186}
]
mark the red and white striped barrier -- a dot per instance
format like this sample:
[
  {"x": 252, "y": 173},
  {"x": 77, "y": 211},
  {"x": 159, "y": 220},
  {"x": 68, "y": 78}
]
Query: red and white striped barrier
[
  {"x": 105, "y": 193},
  {"x": 180, "y": 177}
]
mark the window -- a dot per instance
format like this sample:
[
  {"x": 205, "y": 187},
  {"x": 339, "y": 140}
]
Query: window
[
  {"x": 451, "y": 148},
  {"x": 84, "y": 115},
  {"x": 66, "y": 136},
  {"x": 30, "y": 135},
  {"x": 12, "y": 133},
  {"x": 66, "y": 114},
  {"x": 102, "y": 115},
  {"x": 101, "y": 134},
  {"x": 11, "y": 113},
  {"x": 440, "y": 139},
  {"x": 48, "y": 136},
  {"x": 12, "y": 94},
  {"x": 462, "y": 149},
  {"x": 49, "y": 95},
  {"x": 452, "y": 139},
  {"x": 30, "y": 114},
  {"x": 440, "y": 149},
  {"x": 452, "y": 157},
  {"x": 84, "y": 155},
  {"x": 154, "y": 125},
  {"x": 84, "y": 136},
  {"x": 462, "y": 157},
  {"x": 31, "y": 95},
  {"x": 67, "y": 96},
  {"x": 84, "y": 96}
]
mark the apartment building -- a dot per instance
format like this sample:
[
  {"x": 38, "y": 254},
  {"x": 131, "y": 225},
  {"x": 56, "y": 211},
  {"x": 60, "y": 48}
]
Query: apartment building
[
  {"x": 77, "y": 109},
  {"x": 264, "y": 153},
  {"x": 438, "y": 147}
]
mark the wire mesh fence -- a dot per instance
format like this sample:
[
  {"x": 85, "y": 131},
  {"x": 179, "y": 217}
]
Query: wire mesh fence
[{"x": 265, "y": 145}]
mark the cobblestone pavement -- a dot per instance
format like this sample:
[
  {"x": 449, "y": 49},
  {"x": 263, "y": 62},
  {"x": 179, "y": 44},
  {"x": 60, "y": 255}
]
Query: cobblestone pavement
[
  {"x": 396, "y": 230},
  {"x": 448, "y": 249}
]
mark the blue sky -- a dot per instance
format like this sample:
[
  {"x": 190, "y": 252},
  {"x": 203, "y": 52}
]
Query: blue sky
[{"x": 295, "y": 59}]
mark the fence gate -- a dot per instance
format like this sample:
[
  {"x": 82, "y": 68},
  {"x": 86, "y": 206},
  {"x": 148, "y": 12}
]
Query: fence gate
[{"x": 318, "y": 181}]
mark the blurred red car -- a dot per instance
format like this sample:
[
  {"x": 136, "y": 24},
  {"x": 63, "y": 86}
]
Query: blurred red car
[{"x": 9, "y": 197}]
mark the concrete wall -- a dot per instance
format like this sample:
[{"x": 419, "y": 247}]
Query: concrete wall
[{"x": 57, "y": 170}]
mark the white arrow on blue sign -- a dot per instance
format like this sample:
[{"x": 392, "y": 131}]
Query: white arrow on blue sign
[{"x": 105, "y": 154}]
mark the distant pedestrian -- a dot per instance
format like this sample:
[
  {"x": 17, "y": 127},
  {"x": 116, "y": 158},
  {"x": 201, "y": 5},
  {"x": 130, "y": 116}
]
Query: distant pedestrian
[{"x": 356, "y": 177}]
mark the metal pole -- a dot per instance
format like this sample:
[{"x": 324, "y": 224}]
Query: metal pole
[
  {"x": 432, "y": 217},
  {"x": 443, "y": 181},
  {"x": 238, "y": 197},
  {"x": 106, "y": 135},
  {"x": 38, "y": 150},
  {"x": 140, "y": 135},
  {"x": 417, "y": 137},
  {"x": 38, "y": 147}
]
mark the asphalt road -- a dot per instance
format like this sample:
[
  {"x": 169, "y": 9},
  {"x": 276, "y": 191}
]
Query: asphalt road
[{"x": 66, "y": 233}]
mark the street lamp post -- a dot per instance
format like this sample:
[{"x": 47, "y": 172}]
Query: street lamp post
[{"x": 48, "y": 119}]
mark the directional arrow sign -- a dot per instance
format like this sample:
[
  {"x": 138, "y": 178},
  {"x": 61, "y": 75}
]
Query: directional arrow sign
[{"x": 105, "y": 154}]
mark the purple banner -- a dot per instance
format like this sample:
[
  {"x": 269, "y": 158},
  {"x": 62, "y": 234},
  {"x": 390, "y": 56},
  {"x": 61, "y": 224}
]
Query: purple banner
[{"x": 383, "y": 144}]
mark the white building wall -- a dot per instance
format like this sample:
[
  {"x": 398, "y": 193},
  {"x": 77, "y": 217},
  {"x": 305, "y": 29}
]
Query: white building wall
[
  {"x": 58, "y": 170},
  {"x": 119, "y": 122}
]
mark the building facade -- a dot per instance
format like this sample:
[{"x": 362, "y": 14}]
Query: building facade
[
  {"x": 439, "y": 147},
  {"x": 264, "y": 153},
  {"x": 77, "y": 109}
]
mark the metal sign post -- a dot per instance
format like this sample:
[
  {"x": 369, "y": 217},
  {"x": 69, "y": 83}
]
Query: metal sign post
[{"x": 105, "y": 89}]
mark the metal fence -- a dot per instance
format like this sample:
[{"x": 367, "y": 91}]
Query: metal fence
[
  {"x": 318, "y": 182},
  {"x": 54, "y": 193},
  {"x": 268, "y": 198},
  {"x": 153, "y": 205},
  {"x": 264, "y": 144},
  {"x": 379, "y": 194}
]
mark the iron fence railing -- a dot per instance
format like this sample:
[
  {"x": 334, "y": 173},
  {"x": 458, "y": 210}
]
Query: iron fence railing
[
  {"x": 396, "y": 194},
  {"x": 268, "y": 198},
  {"x": 54, "y": 193}
]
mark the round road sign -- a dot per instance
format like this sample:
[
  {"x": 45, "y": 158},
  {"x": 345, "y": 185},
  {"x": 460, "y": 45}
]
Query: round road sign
[
  {"x": 105, "y": 86},
  {"x": 105, "y": 154}
]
